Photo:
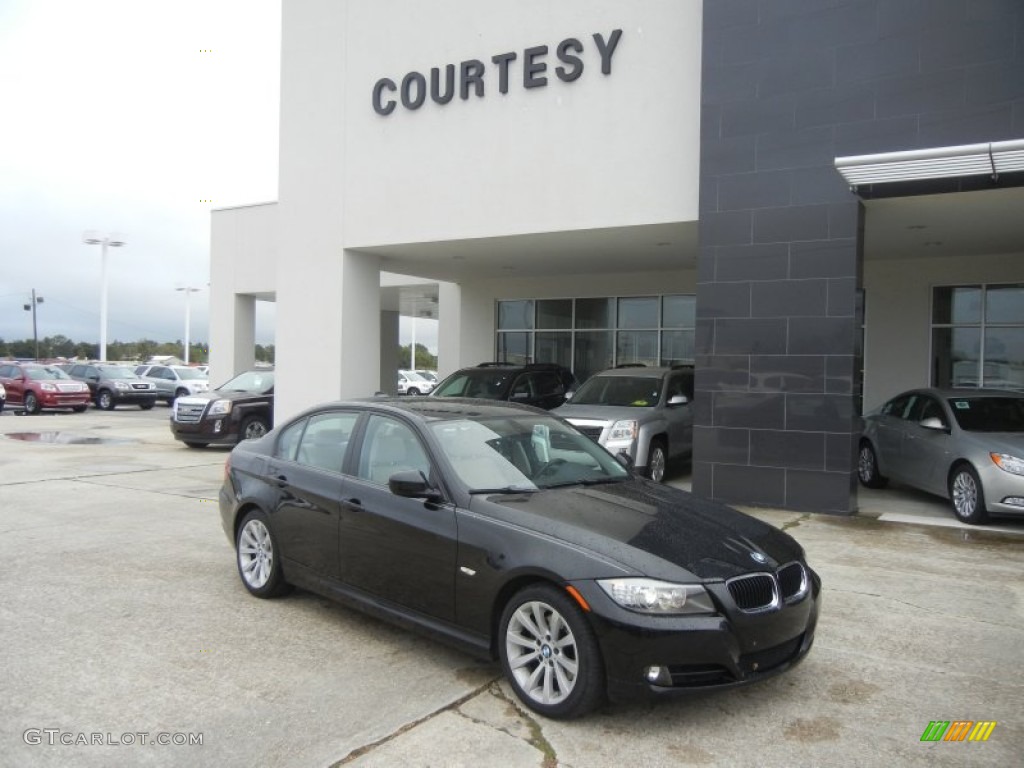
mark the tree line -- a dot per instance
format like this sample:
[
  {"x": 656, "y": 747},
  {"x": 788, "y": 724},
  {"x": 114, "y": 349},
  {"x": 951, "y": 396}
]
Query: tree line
[
  {"x": 424, "y": 360},
  {"x": 143, "y": 349}
]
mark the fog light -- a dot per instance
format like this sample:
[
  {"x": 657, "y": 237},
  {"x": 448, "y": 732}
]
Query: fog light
[
  {"x": 1014, "y": 501},
  {"x": 658, "y": 676},
  {"x": 217, "y": 425}
]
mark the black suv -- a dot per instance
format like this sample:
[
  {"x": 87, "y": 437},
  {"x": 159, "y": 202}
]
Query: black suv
[
  {"x": 241, "y": 409},
  {"x": 540, "y": 384},
  {"x": 114, "y": 385}
]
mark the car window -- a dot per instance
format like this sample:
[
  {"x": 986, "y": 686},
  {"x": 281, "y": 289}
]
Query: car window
[
  {"x": 78, "y": 370},
  {"x": 325, "y": 440},
  {"x": 925, "y": 408},
  {"x": 483, "y": 383},
  {"x": 390, "y": 446},
  {"x": 6, "y": 371},
  {"x": 989, "y": 414},
  {"x": 546, "y": 383},
  {"x": 897, "y": 407},
  {"x": 522, "y": 388},
  {"x": 288, "y": 441},
  {"x": 631, "y": 391}
]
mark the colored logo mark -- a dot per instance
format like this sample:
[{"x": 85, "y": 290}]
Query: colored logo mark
[{"x": 958, "y": 730}]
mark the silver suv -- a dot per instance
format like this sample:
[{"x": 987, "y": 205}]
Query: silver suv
[{"x": 642, "y": 412}]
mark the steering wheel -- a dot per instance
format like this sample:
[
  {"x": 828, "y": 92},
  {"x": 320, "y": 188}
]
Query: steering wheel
[{"x": 546, "y": 468}]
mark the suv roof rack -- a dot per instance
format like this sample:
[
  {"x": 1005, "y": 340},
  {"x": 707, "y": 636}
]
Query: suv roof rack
[{"x": 631, "y": 365}]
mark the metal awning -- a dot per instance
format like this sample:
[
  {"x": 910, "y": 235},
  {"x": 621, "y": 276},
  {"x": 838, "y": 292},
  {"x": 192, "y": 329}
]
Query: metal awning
[{"x": 991, "y": 159}]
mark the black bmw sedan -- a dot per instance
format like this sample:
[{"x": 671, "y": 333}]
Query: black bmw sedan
[{"x": 502, "y": 529}]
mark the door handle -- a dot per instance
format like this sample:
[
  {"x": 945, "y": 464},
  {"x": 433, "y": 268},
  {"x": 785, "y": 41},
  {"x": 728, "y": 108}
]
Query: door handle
[{"x": 352, "y": 503}]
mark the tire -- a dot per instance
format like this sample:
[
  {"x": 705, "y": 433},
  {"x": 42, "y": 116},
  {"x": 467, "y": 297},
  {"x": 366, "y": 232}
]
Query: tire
[
  {"x": 258, "y": 557},
  {"x": 105, "y": 400},
  {"x": 147, "y": 406},
  {"x": 967, "y": 496},
  {"x": 657, "y": 460},
  {"x": 79, "y": 408},
  {"x": 253, "y": 427},
  {"x": 181, "y": 392},
  {"x": 412, "y": 391},
  {"x": 549, "y": 654},
  {"x": 31, "y": 403},
  {"x": 867, "y": 467},
  {"x": 193, "y": 444}
]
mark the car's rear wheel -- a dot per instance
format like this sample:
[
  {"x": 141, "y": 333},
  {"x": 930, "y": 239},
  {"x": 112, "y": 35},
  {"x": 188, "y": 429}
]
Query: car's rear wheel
[
  {"x": 254, "y": 427},
  {"x": 105, "y": 400},
  {"x": 412, "y": 391},
  {"x": 181, "y": 392},
  {"x": 147, "y": 406},
  {"x": 657, "y": 460},
  {"x": 31, "y": 403},
  {"x": 967, "y": 496},
  {"x": 79, "y": 408},
  {"x": 867, "y": 467},
  {"x": 259, "y": 560},
  {"x": 549, "y": 653}
]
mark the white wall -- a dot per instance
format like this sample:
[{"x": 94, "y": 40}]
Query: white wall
[
  {"x": 602, "y": 151},
  {"x": 898, "y": 295}
]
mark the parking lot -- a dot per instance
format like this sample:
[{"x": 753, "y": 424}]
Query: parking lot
[{"x": 123, "y": 622}]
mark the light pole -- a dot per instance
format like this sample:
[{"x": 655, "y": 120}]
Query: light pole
[
  {"x": 104, "y": 241},
  {"x": 188, "y": 315},
  {"x": 35, "y": 328}
]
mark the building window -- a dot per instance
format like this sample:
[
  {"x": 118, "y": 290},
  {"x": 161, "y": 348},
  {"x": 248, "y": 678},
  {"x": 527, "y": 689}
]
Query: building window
[
  {"x": 589, "y": 335},
  {"x": 978, "y": 336}
]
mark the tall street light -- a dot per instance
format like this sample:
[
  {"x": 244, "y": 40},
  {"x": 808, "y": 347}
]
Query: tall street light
[
  {"x": 189, "y": 290},
  {"x": 104, "y": 241},
  {"x": 35, "y": 328}
]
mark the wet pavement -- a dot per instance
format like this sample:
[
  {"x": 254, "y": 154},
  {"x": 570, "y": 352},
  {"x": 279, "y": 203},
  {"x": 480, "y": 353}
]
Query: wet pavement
[{"x": 121, "y": 613}]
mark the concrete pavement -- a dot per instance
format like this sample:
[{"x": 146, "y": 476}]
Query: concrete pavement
[{"x": 122, "y": 620}]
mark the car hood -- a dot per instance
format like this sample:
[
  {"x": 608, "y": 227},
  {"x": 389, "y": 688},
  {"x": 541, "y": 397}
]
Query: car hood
[
  {"x": 655, "y": 529},
  {"x": 996, "y": 442},
  {"x": 572, "y": 411}
]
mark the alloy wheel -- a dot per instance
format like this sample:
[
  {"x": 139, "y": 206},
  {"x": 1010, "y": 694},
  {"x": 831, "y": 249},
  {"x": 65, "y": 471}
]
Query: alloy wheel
[
  {"x": 965, "y": 495},
  {"x": 542, "y": 653},
  {"x": 255, "y": 554}
]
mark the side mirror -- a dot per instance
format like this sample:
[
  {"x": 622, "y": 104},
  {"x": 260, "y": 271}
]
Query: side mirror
[
  {"x": 678, "y": 400},
  {"x": 411, "y": 484},
  {"x": 933, "y": 422}
]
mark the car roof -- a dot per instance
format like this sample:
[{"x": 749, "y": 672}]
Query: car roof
[
  {"x": 961, "y": 392},
  {"x": 434, "y": 409},
  {"x": 639, "y": 371}
]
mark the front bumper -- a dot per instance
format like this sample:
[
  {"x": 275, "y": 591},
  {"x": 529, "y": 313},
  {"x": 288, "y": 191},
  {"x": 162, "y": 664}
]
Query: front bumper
[
  {"x": 1004, "y": 491},
  {"x": 208, "y": 430},
  {"x": 698, "y": 653},
  {"x": 64, "y": 399},
  {"x": 133, "y": 396}
]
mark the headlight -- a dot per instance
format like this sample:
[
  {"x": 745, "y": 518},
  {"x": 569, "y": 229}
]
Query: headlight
[
  {"x": 657, "y": 597},
  {"x": 220, "y": 408},
  {"x": 120, "y": 385},
  {"x": 48, "y": 387},
  {"x": 1008, "y": 463},
  {"x": 625, "y": 430}
]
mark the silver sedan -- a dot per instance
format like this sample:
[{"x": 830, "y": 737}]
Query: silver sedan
[{"x": 966, "y": 445}]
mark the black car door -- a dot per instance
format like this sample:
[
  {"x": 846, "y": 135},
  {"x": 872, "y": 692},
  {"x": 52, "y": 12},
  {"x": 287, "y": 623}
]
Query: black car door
[
  {"x": 306, "y": 468},
  {"x": 399, "y": 549}
]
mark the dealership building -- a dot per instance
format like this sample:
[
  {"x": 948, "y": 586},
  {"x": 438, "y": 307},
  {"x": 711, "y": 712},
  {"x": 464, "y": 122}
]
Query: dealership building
[{"x": 818, "y": 203}]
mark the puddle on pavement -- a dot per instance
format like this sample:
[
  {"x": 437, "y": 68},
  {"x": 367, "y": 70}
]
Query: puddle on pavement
[{"x": 65, "y": 438}]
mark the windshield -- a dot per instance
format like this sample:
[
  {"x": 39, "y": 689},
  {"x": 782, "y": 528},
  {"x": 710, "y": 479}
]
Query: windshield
[
  {"x": 413, "y": 376},
  {"x": 45, "y": 374},
  {"x": 189, "y": 373},
  {"x": 988, "y": 414},
  {"x": 481, "y": 383},
  {"x": 630, "y": 391},
  {"x": 117, "y": 373},
  {"x": 257, "y": 382},
  {"x": 523, "y": 453}
]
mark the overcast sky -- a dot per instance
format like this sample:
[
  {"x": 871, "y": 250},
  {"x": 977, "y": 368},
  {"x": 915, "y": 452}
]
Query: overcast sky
[{"x": 129, "y": 117}]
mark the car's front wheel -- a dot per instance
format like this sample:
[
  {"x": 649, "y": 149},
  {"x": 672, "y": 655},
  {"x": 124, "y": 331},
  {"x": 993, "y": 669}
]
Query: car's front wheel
[
  {"x": 549, "y": 653},
  {"x": 412, "y": 391},
  {"x": 254, "y": 427},
  {"x": 967, "y": 496},
  {"x": 657, "y": 460},
  {"x": 259, "y": 559},
  {"x": 31, "y": 403},
  {"x": 105, "y": 400},
  {"x": 867, "y": 467}
]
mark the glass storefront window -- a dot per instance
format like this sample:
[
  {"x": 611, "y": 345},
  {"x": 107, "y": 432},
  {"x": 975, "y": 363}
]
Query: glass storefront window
[
  {"x": 554, "y": 313},
  {"x": 677, "y": 347},
  {"x": 514, "y": 347},
  {"x": 639, "y": 312},
  {"x": 594, "y": 353},
  {"x": 595, "y": 313},
  {"x": 515, "y": 315},
  {"x": 678, "y": 312},
  {"x": 554, "y": 347},
  {"x": 978, "y": 336},
  {"x": 636, "y": 347}
]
